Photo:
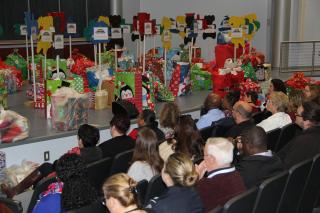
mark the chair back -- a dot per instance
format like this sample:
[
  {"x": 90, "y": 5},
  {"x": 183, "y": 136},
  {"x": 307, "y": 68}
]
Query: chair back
[
  {"x": 312, "y": 188},
  {"x": 242, "y": 203},
  {"x": 156, "y": 187},
  {"x": 218, "y": 209},
  {"x": 142, "y": 187},
  {"x": 273, "y": 137},
  {"x": 206, "y": 132},
  {"x": 287, "y": 133},
  {"x": 121, "y": 162},
  {"x": 41, "y": 187},
  {"x": 95, "y": 207},
  {"x": 270, "y": 192},
  {"x": 9, "y": 205},
  {"x": 99, "y": 171},
  {"x": 296, "y": 182},
  {"x": 260, "y": 116}
]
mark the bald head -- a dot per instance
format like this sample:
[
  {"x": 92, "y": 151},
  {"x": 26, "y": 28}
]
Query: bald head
[
  {"x": 213, "y": 101},
  {"x": 243, "y": 110}
]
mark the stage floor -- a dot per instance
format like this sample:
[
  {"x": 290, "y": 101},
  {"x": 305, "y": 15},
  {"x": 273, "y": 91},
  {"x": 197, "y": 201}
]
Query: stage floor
[{"x": 41, "y": 128}]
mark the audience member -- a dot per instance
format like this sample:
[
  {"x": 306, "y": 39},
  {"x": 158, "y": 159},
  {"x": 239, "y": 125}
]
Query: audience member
[
  {"x": 121, "y": 195},
  {"x": 169, "y": 115},
  {"x": 212, "y": 106},
  {"x": 71, "y": 191},
  {"x": 305, "y": 145},
  {"x": 277, "y": 85},
  {"x": 147, "y": 118},
  {"x": 222, "y": 181},
  {"x": 241, "y": 113},
  {"x": 311, "y": 92},
  {"x": 146, "y": 159},
  {"x": 252, "y": 98},
  {"x": 187, "y": 140},
  {"x": 179, "y": 174},
  {"x": 229, "y": 101},
  {"x": 119, "y": 142},
  {"x": 295, "y": 100},
  {"x": 256, "y": 163},
  {"x": 277, "y": 104}
]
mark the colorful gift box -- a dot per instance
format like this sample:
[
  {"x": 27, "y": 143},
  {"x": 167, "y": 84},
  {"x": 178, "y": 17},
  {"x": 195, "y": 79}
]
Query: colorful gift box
[
  {"x": 225, "y": 51},
  {"x": 249, "y": 85},
  {"x": 221, "y": 83},
  {"x": 201, "y": 80},
  {"x": 180, "y": 83},
  {"x": 15, "y": 59}
]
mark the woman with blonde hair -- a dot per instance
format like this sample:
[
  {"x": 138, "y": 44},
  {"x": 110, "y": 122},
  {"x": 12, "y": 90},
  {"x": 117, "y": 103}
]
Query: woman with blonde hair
[
  {"x": 120, "y": 194},
  {"x": 179, "y": 174}
]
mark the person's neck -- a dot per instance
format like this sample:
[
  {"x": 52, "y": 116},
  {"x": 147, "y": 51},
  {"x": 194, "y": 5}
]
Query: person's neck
[
  {"x": 130, "y": 208},
  {"x": 256, "y": 151},
  {"x": 216, "y": 167},
  {"x": 241, "y": 120},
  {"x": 117, "y": 134}
]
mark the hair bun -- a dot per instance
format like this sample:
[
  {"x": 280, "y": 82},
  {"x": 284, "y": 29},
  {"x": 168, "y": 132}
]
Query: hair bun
[{"x": 190, "y": 179}]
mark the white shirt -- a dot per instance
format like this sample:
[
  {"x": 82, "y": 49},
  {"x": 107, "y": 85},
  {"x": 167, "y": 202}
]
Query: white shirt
[
  {"x": 277, "y": 120},
  {"x": 140, "y": 170}
]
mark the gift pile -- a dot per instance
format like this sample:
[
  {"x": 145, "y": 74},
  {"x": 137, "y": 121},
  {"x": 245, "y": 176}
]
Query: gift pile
[
  {"x": 13, "y": 127},
  {"x": 69, "y": 109}
]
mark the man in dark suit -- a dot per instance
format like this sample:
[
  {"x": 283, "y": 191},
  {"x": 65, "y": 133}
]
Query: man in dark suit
[
  {"x": 307, "y": 144},
  {"x": 256, "y": 162},
  {"x": 120, "y": 142}
]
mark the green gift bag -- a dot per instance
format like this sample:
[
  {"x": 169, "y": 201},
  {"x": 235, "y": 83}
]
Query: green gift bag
[
  {"x": 201, "y": 80},
  {"x": 16, "y": 60}
]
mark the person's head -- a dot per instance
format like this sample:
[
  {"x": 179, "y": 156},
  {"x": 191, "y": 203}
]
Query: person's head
[
  {"x": 311, "y": 92},
  {"x": 242, "y": 111},
  {"x": 251, "y": 97},
  {"x": 189, "y": 140},
  {"x": 147, "y": 118},
  {"x": 179, "y": 170},
  {"x": 119, "y": 124},
  {"x": 230, "y": 99},
  {"x": 88, "y": 136},
  {"x": 295, "y": 100},
  {"x": 120, "y": 192},
  {"x": 218, "y": 153},
  {"x": 213, "y": 101},
  {"x": 277, "y": 85},
  {"x": 169, "y": 115},
  {"x": 308, "y": 114},
  {"x": 146, "y": 149},
  {"x": 252, "y": 141},
  {"x": 77, "y": 191},
  {"x": 277, "y": 102}
]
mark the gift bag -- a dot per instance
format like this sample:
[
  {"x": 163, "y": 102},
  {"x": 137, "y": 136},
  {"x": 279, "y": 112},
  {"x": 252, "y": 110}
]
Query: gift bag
[
  {"x": 225, "y": 51},
  {"x": 180, "y": 83},
  {"x": 101, "y": 99},
  {"x": 221, "y": 83},
  {"x": 201, "y": 80},
  {"x": 148, "y": 98},
  {"x": 108, "y": 85},
  {"x": 69, "y": 109},
  {"x": 15, "y": 59}
]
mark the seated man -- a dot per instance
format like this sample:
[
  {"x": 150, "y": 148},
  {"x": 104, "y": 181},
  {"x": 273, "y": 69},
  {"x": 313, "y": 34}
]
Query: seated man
[
  {"x": 306, "y": 145},
  {"x": 222, "y": 181},
  {"x": 212, "y": 105},
  {"x": 119, "y": 142},
  {"x": 256, "y": 162},
  {"x": 241, "y": 113}
]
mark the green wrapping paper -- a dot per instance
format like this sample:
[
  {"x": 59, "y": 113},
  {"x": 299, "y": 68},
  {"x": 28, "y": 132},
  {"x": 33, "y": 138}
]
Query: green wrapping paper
[
  {"x": 201, "y": 80},
  {"x": 249, "y": 71},
  {"x": 15, "y": 59}
]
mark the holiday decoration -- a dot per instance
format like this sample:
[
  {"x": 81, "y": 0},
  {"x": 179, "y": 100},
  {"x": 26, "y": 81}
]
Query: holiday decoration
[{"x": 201, "y": 80}]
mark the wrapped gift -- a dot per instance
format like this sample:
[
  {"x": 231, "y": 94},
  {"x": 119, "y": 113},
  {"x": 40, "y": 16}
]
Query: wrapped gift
[
  {"x": 180, "y": 83},
  {"x": 101, "y": 99},
  {"x": 126, "y": 61},
  {"x": 9, "y": 79},
  {"x": 173, "y": 56},
  {"x": 201, "y": 80},
  {"x": 15, "y": 59},
  {"x": 221, "y": 83},
  {"x": 249, "y": 85},
  {"x": 69, "y": 109},
  {"x": 108, "y": 59},
  {"x": 155, "y": 65},
  {"x": 13, "y": 127},
  {"x": 94, "y": 75},
  {"x": 148, "y": 98},
  {"x": 249, "y": 71},
  {"x": 108, "y": 85},
  {"x": 225, "y": 51}
]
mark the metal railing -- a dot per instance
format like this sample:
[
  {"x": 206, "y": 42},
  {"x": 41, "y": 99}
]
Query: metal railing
[{"x": 302, "y": 56}]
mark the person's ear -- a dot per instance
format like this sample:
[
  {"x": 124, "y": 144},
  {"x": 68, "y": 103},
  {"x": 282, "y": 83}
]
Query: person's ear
[{"x": 80, "y": 143}]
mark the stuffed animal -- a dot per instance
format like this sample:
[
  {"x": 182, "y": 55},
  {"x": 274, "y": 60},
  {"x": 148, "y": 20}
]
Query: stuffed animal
[
  {"x": 237, "y": 22},
  {"x": 44, "y": 24},
  {"x": 209, "y": 27},
  {"x": 181, "y": 25},
  {"x": 166, "y": 34},
  {"x": 115, "y": 22}
]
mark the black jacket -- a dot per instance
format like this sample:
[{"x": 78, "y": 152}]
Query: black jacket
[
  {"x": 256, "y": 168},
  {"x": 91, "y": 154},
  {"x": 176, "y": 200},
  {"x": 116, "y": 145},
  {"x": 236, "y": 130},
  {"x": 301, "y": 147}
]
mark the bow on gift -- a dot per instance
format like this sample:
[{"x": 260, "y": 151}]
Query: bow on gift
[{"x": 231, "y": 67}]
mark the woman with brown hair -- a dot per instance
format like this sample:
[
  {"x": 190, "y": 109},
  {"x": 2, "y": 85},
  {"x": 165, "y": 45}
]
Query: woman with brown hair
[
  {"x": 120, "y": 194},
  {"x": 146, "y": 159},
  {"x": 169, "y": 115},
  {"x": 311, "y": 92},
  {"x": 187, "y": 140},
  {"x": 179, "y": 174}
]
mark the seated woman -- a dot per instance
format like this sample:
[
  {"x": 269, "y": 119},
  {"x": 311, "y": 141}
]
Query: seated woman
[
  {"x": 179, "y": 174},
  {"x": 295, "y": 100},
  {"x": 88, "y": 138},
  {"x": 147, "y": 118},
  {"x": 146, "y": 159},
  {"x": 277, "y": 104},
  {"x": 72, "y": 189},
  {"x": 187, "y": 140},
  {"x": 311, "y": 92},
  {"x": 169, "y": 115},
  {"x": 277, "y": 85},
  {"x": 120, "y": 194}
]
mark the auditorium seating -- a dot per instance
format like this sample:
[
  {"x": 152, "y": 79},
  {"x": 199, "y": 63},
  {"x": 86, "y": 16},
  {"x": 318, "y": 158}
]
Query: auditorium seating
[{"x": 242, "y": 203}]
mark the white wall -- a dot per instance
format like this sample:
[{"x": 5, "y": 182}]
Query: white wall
[
  {"x": 311, "y": 23},
  {"x": 220, "y": 8}
]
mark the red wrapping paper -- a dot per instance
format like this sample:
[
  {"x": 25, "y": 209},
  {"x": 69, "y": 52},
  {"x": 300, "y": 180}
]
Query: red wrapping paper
[{"x": 225, "y": 51}]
